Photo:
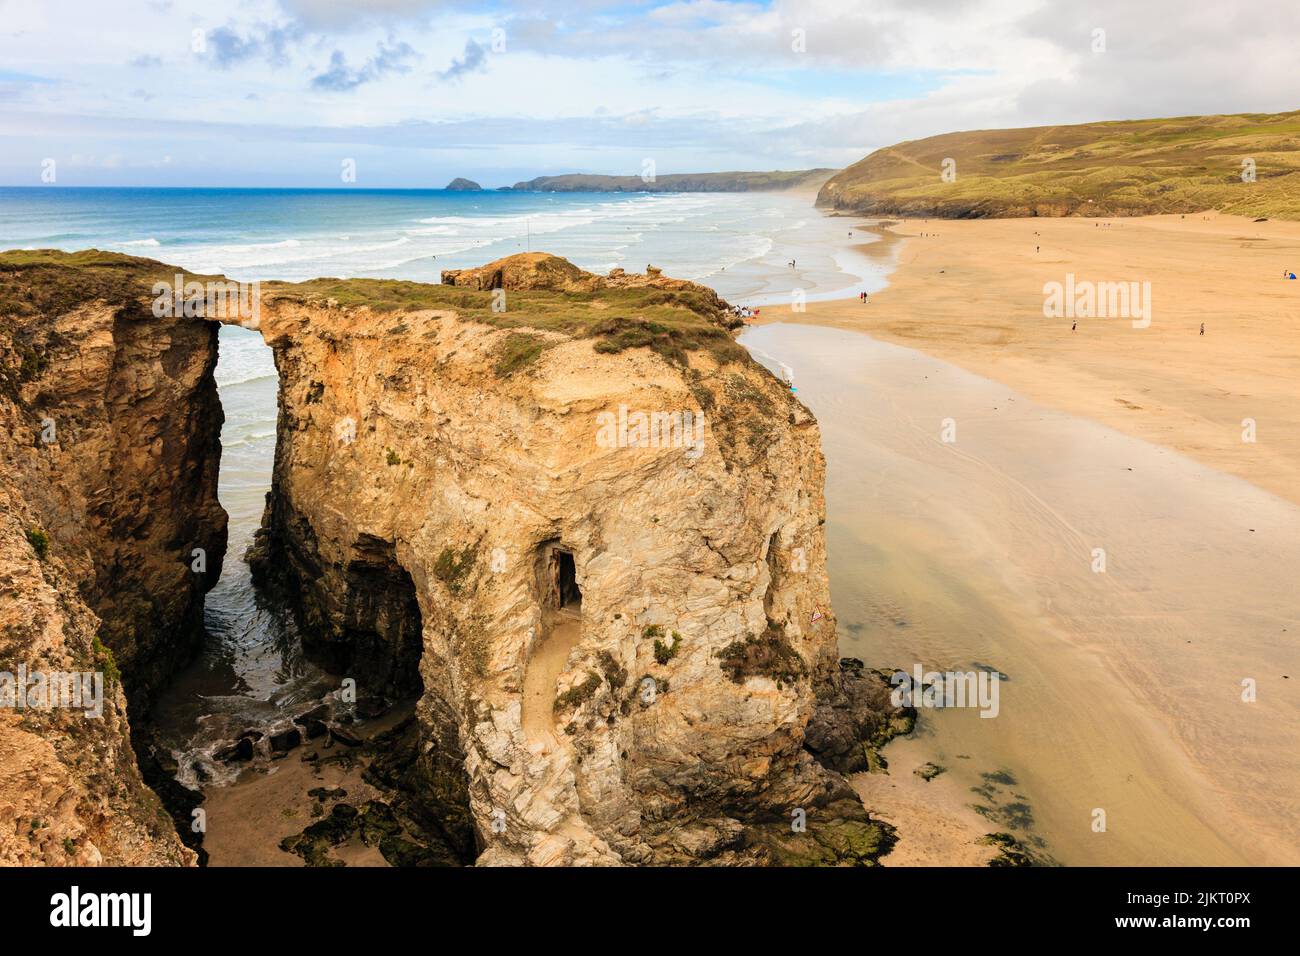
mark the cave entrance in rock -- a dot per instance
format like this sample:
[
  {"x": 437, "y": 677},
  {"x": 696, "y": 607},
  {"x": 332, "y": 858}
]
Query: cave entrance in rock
[
  {"x": 564, "y": 580},
  {"x": 560, "y": 632},
  {"x": 382, "y": 637}
]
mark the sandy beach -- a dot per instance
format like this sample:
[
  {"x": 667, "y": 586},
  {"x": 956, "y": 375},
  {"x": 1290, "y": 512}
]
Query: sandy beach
[
  {"x": 1124, "y": 686},
  {"x": 1125, "y": 690},
  {"x": 971, "y": 292}
]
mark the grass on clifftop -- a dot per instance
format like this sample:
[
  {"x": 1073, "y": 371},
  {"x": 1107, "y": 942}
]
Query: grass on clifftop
[
  {"x": 670, "y": 322},
  {"x": 50, "y": 282},
  {"x": 1138, "y": 167},
  {"x": 46, "y": 282}
]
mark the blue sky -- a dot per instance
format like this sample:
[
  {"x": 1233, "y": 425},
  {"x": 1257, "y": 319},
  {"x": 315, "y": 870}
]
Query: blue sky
[{"x": 415, "y": 92}]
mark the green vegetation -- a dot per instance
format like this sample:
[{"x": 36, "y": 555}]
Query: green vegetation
[
  {"x": 518, "y": 350},
  {"x": 32, "y": 365},
  {"x": 615, "y": 672},
  {"x": 40, "y": 542},
  {"x": 392, "y": 458},
  {"x": 671, "y": 322},
  {"x": 678, "y": 182},
  {"x": 452, "y": 566},
  {"x": 37, "y": 281},
  {"x": 839, "y": 835},
  {"x": 105, "y": 660},
  {"x": 666, "y": 652},
  {"x": 768, "y": 655},
  {"x": 1137, "y": 167},
  {"x": 578, "y": 693}
]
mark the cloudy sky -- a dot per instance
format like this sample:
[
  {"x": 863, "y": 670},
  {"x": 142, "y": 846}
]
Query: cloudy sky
[{"x": 414, "y": 92}]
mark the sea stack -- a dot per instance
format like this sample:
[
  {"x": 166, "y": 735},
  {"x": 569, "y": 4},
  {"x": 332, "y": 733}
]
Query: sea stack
[{"x": 567, "y": 512}]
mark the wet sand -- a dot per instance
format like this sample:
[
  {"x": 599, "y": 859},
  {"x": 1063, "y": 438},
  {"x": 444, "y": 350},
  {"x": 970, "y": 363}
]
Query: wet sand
[
  {"x": 934, "y": 818},
  {"x": 247, "y": 819},
  {"x": 1125, "y": 689},
  {"x": 971, "y": 292}
]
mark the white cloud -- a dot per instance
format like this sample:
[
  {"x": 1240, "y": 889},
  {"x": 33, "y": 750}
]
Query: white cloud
[{"x": 691, "y": 81}]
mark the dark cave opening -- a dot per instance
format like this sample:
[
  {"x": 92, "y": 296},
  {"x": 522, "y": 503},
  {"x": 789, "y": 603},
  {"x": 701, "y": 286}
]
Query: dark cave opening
[{"x": 560, "y": 580}]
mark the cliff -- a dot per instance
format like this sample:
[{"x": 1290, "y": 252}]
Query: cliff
[
  {"x": 1241, "y": 164},
  {"x": 109, "y": 425},
  {"x": 566, "y": 511},
  {"x": 679, "y": 182},
  {"x": 619, "y": 645}
]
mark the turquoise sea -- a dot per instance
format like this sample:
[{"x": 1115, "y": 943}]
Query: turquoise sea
[{"x": 752, "y": 248}]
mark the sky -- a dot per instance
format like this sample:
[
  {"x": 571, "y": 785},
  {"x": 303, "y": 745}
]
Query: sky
[{"x": 411, "y": 93}]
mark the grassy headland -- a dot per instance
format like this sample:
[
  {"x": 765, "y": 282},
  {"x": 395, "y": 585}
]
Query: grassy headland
[
  {"x": 1130, "y": 168},
  {"x": 679, "y": 182}
]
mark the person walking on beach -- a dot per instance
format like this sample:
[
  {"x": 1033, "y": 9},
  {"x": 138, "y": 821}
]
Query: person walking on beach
[
  {"x": 1075, "y": 326},
  {"x": 1202, "y": 328}
]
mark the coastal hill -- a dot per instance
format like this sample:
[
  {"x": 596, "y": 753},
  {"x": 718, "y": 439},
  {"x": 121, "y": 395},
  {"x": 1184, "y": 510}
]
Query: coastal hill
[
  {"x": 679, "y": 182},
  {"x": 460, "y": 184},
  {"x": 1128, "y": 168}
]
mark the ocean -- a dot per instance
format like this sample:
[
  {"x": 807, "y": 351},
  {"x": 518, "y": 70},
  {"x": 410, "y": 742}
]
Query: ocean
[
  {"x": 740, "y": 244},
  {"x": 752, "y": 248}
]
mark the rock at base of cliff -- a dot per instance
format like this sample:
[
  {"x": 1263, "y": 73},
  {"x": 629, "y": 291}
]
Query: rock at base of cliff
[{"x": 855, "y": 717}]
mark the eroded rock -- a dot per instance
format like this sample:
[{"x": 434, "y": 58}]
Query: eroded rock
[
  {"x": 498, "y": 498},
  {"x": 109, "y": 448}
]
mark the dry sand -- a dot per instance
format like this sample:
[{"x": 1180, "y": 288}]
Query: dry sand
[
  {"x": 971, "y": 292},
  {"x": 544, "y": 668},
  {"x": 1126, "y": 686}
]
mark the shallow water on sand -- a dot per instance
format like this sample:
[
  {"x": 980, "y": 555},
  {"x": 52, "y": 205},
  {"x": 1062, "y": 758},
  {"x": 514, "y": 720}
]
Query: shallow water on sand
[
  {"x": 1124, "y": 690},
  {"x": 251, "y": 674}
]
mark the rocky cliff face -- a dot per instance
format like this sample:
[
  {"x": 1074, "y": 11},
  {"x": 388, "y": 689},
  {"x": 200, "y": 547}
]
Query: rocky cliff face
[
  {"x": 607, "y": 559},
  {"x": 109, "y": 425},
  {"x": 567, "y": 512}
]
